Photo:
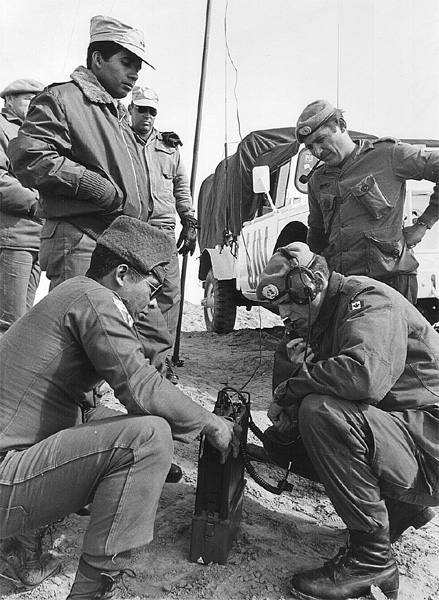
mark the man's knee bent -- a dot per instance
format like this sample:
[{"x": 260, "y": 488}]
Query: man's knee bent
[
  {"x": 145, "y": 430},
  {"x": 318, "y": 412}
]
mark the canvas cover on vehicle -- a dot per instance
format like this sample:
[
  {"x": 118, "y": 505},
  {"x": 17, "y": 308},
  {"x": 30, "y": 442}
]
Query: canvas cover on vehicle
[{"x": 226, "y": 199}]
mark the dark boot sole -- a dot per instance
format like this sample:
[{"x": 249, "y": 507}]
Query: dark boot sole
[
  {"x": 417, "y": 522},
  {"x": 390, "y": 595}
]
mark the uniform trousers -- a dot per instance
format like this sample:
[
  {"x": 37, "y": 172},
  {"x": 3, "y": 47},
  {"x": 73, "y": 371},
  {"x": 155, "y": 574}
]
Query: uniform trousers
[
  {"x": 169, "y": 298},
  {"x": 362, "y": 455},
  {"x": 119, "y": 463},
  {"x": 19, "y": 279}
]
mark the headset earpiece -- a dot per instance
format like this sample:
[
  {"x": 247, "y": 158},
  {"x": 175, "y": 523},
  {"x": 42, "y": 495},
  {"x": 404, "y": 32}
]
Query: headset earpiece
[
  {"x": 301, "y": 285},
  {"x": 300, "y": 282}
]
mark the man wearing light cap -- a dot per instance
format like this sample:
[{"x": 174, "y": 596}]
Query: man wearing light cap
[
  {"x": 356, "y": 199},
  {"x": 359, "y": 413},
  {"x": 77, "y": 148},
  {"x": 20, "y": 225},
  {"x": 169, "y": 192},
  {"x": 57, "y": 451}
]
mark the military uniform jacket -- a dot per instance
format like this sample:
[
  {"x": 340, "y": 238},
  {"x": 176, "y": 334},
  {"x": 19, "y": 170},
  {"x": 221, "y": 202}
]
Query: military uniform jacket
[
  {"x": 54, "y": 355},
  {"x": 375, "y": 348},
  {"x": 71, "y": 127},
  {"x": 168, "y": 183},
  {"x": 356, "y": 211},
  {"x": 18, "y": 228}
]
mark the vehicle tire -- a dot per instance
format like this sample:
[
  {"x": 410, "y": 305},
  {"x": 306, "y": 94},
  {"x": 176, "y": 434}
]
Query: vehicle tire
[{"x": 219, "y": 304}]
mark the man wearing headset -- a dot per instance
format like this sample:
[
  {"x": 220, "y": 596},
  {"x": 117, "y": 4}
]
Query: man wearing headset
[{"x": 360, "y": 410}]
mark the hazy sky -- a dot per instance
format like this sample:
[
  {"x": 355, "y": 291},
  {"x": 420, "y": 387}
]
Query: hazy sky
[{"x": 378, "y": 58}]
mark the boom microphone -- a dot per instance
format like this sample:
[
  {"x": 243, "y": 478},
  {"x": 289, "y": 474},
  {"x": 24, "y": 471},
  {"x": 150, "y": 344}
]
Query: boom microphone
[{"x": 305, "y": 178}]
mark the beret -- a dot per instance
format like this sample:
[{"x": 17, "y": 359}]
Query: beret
[
  {"x": 145, "y": 248},
  {"x": 22, "y": 86},
  {"x": 314, "y": 116},
  {"x": 272, "y": 281},
  {"x": 108, "y": 29}
]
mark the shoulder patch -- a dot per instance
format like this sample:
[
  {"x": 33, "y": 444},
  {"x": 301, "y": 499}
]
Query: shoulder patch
[
  {"x": 123, "y": 311},
  {"x": 356, "y": 305}
]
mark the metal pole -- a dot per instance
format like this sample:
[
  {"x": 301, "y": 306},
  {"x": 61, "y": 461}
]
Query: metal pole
[{"x": 175, "y": 357}]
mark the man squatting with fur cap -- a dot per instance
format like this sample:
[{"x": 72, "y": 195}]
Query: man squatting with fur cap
[
  {"x": 59, "y": 453},
  {"x": 361, "y": 413}
]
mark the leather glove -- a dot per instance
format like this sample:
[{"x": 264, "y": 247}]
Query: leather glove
[
  {"x": 414, "y": 234},
  {"x": 187, "y": 239}
]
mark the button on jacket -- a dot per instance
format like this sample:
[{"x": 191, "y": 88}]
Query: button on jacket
[
  {"x": 374, "y": 347},
  {"x": 71, "y": 127},
  {"x": 73, "y": 338},
  {"x": 356, "y": 211}
]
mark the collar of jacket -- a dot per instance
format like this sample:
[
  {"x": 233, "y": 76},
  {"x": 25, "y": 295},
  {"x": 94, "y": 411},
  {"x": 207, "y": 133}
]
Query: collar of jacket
[
  {"x": 10, "y": 116},
  {"x": 362, "y": 147},
  {"x": 152, "y": 136},
  {"x": 88, "y": 83}
]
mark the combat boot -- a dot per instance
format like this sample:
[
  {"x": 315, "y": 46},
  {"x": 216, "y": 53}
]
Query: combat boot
[
  {"x": 367, "y": 560},
  {"x": 95, "y": 584},
  {"x": 23, "y": 560},
  {"x": 403, "y": 515},
  {"x": 171, "y": 375}
]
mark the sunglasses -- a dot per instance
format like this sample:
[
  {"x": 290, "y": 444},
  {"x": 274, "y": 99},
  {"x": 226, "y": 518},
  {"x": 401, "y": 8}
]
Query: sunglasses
[
  {"x": 154, "y": 289},
  {"x": 147, "y": 110}
]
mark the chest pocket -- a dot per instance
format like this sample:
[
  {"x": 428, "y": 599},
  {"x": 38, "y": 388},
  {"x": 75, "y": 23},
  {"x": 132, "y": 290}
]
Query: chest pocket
[
  {"x": 327, "y": 206},
  {"x": 370, "y": 196}
]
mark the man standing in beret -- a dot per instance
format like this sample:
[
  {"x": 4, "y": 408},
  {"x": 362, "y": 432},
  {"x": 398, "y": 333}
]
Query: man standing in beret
[
  {"x": 359, "y": 413},
  {"x": 20, "y": 225},
  {"x": 356, "y": 199},
  {"x": 169, "y": 192},
  {"x": 58, "y": 452},
  {"x": 77, "y": 149},
  {"x": 356, "y": 204}
]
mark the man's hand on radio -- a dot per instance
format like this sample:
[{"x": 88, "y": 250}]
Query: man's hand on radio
[{"x": 222, "y": 434}]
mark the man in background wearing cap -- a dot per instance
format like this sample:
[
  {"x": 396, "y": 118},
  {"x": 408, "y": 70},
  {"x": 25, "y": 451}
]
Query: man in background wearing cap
[
  {"x": 360, "y": 413},
  {"x": 356, "y": 199},
  {"x": 20, "y": 226},
  {"x": 77, "y": 148},
  {"x": 169, "y": 192},
  {"x": 59, "y": 453}
]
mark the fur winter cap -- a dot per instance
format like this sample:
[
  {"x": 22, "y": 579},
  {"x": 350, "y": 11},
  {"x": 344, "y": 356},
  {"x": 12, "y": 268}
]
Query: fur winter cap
[{"x": 145, "y": 248}]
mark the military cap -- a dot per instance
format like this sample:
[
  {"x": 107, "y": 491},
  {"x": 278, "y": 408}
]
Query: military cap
[
  {"x": 314, "y": 116},
  {"x": 22, "y": 86},
  {"x": 145, "y": 248},
  {"x": 107, "y": 29},
  {"x": 144, "y": 96},
  {"x": 273, "y": 280}
]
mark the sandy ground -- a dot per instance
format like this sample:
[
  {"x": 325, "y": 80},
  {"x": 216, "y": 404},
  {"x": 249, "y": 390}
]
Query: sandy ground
[{"x": 278, "y": 535}]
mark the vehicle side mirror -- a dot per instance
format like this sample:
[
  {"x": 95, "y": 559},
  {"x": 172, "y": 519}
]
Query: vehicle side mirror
[{"x": 261, "y": 179}]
